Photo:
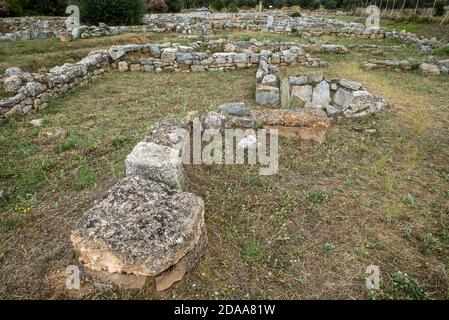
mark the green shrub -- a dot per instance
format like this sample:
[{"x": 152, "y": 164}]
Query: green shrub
[
  {"x": 408, "y": 288},
  {"x": 4, "y": 8},
  {"x": 174, "y": 5},
  {"x": 112, "y": 12},
  {"x": 46, "y": 7},
  {"x": 17, "y": 7},
  {"x": 32, "y": 7},
  {"x": 233, "y": 8},
  {"x": 439, "y": 7},
  {"x": 329, "y": 4},
  {"x": 157, "y": 6},
  {"x": 218, "y": 5},
  {"x": 295, "y": 14},
  {"x": 443, "y": 51}
]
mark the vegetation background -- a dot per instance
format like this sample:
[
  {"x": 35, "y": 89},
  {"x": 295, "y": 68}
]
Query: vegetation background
[{"x": 57, "y": 7}]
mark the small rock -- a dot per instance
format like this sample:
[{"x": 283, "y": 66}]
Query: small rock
[
  {"x": 429, "y": 68},
  {"x": 12, "y": 83},
  {"x": 37, "y": 122},
  {"x": 123, "y": 66},
  {"x": 51, "y": 134},
  {"x": 301, "y": 96},
  {"x": 270, "y": 80},
  {"x": 35, "y": 88},
  {"x": 213, "y": 120},
  {"x": 168, "y": 55},
  {"x": 298, "y": 81},
  {"x": 13, "y": 71},
  {"x": 229, "y": 47},
  {"x": 315, "y": 77},
  {"x": 236, "y": 109},
  {"x": 140, "y": 227}
]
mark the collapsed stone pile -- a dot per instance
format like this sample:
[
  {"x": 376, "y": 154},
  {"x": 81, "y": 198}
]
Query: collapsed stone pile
[
  {"x": 338, "y": 97},
  {"x": 432, "y": 67},
  {"x": 34, "y": 90}
]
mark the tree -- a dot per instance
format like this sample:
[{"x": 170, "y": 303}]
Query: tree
[
  {"x": 174, "y": 5},
  {"x": 157, "y": 6},
  {"x": 4, "y": 8},
  {"x": 218, "y": 5},
  {"x": 439, "y": 7},
  {"x": 112, "y": 12}
]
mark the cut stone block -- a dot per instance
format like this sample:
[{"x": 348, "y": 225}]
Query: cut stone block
[
  {"x": 285, "y": 93},
  {"x": 177, "y": 272},
  {"x": 156, "y": 162},
  {"x": 350, "y": 84},
  {"x": 301, "y": 96},
  {"x": 304, "y": 124},
  {"x": 321, "y": 94},
  {"x": 267, "y": 95},
  {"x": 342, "y": 98},
  {"x": 235, "y": 109}
]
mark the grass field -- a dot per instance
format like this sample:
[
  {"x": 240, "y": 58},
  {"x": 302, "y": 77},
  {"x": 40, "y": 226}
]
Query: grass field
[{"x": 376, "y": 192}]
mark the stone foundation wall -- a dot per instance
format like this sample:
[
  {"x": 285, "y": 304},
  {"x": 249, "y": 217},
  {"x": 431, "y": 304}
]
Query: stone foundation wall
[
  {"x": 307, "y": 26},
  {"x": 33, "y": 91},
  {"x": 131, "y": 237},
  {"x": 436, "y": 67},
  {"x": 337, "y": 97}
]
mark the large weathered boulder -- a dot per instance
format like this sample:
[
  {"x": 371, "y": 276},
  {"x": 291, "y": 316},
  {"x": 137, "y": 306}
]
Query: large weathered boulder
[
  {"x": 156, "y": 162},
  {"x": 140, "y": 227}
]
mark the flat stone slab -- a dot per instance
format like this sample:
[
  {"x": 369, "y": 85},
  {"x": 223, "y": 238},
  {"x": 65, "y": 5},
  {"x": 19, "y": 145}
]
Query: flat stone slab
[
  {"x": 139, "y": 227},
  {"x": 310, "y": 117},
  {"x": 235, "y": 109}
]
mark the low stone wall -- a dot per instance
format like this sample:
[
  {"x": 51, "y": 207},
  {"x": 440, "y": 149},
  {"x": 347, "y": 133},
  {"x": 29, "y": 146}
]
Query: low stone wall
[
  {"x": 146, "y": 230},
  {"x": 432, "y": 66},
  {"x": 257, "y": 46},
  {"x": 65, "y": 35},
  {"x": 337, "y": 97},
  {"x": 33, "y": 91},
  {"x": 307, "y": 26}
]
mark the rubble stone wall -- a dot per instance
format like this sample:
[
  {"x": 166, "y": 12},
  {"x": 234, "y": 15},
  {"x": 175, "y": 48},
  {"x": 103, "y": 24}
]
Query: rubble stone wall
[{"x": 34, "y": 90}]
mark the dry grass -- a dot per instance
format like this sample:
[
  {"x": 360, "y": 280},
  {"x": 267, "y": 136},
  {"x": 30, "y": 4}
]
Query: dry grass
[
  {"x": 41, "y": 55},
  {"x": 309, "y": 232}
]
